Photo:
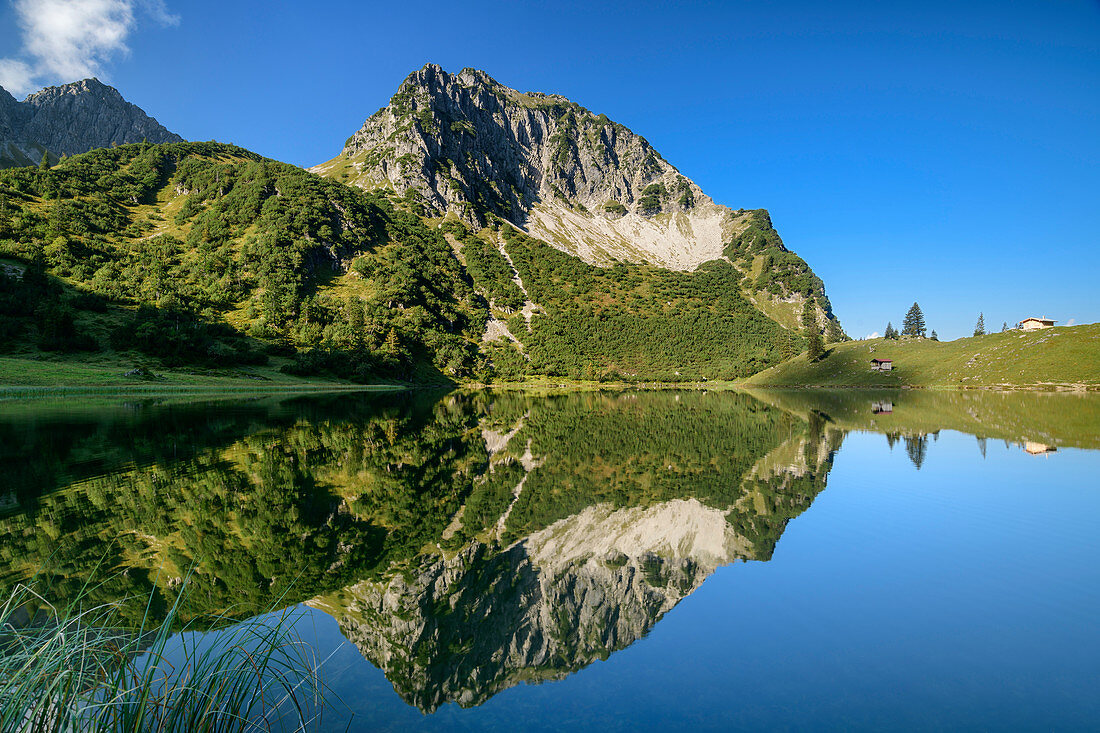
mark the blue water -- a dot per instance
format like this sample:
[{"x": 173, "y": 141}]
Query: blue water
[
  {"x": 965, "y": 594},
  {"x": 960, "y": 594}
]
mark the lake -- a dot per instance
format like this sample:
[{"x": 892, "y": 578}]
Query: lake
[{"x": 620, "y": 560}]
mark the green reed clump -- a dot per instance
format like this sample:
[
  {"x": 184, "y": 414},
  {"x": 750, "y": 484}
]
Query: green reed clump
[{"x": 78, "y": 668}]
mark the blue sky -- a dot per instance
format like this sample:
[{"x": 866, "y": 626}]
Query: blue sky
[{"x": 945, "y": 153}]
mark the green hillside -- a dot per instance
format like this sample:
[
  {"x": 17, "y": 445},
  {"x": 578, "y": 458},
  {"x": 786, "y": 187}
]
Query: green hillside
[
  {"x": 1059, "y": 357},
  {"x": 628, "y": 321},
  {"x": 210, "y": 257},
  {"x": 207, "y": 258}
]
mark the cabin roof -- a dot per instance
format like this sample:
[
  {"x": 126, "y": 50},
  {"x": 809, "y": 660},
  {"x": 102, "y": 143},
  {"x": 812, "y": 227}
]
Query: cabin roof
[
  {"x": 882, "y": 361},
  {"x": 1043, "y": 320}
]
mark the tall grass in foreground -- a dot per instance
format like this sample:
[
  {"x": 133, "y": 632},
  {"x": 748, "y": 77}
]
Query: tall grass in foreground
[{"x": 76, "y": 668}]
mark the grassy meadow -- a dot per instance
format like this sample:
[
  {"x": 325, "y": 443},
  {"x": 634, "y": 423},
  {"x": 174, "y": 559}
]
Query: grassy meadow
[{"x": 1064, "y": 357}]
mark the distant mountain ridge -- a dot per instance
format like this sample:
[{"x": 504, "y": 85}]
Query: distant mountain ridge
[{"x": 70, "y": 119}]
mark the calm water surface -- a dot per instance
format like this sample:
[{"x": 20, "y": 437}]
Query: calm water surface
[{"x": 621, "y": 560}]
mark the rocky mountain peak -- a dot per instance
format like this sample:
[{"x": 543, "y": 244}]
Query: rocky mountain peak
[
  {"x": 91, "y": 86},
  {"x": 467, "y": 145},
  {"x": 72, "y": 118},
  {"x": 464, "y": 145}
]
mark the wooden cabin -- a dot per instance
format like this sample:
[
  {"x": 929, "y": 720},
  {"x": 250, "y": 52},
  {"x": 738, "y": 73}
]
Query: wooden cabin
[
  {"x": 1035, "y": 324},
  {"x": 882, "y": 365}
]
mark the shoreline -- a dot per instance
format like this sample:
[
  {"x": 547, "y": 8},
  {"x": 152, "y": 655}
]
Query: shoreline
[{"x": 20, "y": 391}]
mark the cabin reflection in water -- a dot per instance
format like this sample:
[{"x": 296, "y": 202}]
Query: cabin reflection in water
[
  {"x": 1038, "y": 449},
  {"x": 882, "y": 407}
]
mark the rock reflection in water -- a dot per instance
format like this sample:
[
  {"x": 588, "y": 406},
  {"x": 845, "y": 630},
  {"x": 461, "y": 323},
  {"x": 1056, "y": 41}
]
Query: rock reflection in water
[{"x": 465, "y": 625}]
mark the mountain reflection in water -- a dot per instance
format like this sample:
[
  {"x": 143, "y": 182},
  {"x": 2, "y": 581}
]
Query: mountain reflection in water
[{"x": 464, "y": 541}]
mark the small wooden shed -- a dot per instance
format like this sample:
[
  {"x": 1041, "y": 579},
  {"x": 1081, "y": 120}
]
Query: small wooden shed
[{"x": 882, "y": 365}]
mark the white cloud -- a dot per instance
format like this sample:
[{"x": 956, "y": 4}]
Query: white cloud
[
  {"x": 16, "y": 76},
  {"x": 1071, "y": 321},
  {"x": 159, "y": 12},
  {"x": 66, "y": 40},
  {"x": 874, "y": 335},
  {"x": 71, "y": 38}
]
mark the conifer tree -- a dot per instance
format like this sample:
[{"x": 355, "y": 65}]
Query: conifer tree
[
  {"x": 5, "y": 218},
  {"x": 934, "y": 337},
  {"x": 979, "y": 328},
  {"x": 815, "y": 349},
  {"x": 1004, "y": 326},
  {"x": 914, "y": 323},
  {"x": 44, "y": 164},
  {"x": 392, "y": 345},
  {"x": 809, "y": 314},
  {"x": 891, "y": 332}
]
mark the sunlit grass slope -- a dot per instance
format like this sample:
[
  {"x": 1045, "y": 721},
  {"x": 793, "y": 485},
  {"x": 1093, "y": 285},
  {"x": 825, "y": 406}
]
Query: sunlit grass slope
[{"x": 1066, "y": 356}]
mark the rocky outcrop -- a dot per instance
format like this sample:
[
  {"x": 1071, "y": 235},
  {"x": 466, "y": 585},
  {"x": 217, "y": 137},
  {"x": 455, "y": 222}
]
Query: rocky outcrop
[
  {"x": 70, "y": 119},
  {"x": 467, "y": 145},
  {"x": 465, "y": 142}
]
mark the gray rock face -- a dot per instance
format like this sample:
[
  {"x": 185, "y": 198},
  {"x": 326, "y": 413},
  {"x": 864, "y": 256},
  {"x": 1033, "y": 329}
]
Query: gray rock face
[
  {"x": 466, "y": 144},
  {"x": 13, "y": 116},
  {"x": 70, "y": 119}
]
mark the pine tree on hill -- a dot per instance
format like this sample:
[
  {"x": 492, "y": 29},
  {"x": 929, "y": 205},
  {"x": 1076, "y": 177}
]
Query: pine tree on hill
[
  {"x": 891, "y": 332},
  {"x": 914, "y": 323},
  {"x": 1004, "y": 326},
  {"x": 934, "y": 337},
  {"x": 815, "y": 347},
  {"x": 809, "y": 315},
  {"x": 979, "y": 329}
]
